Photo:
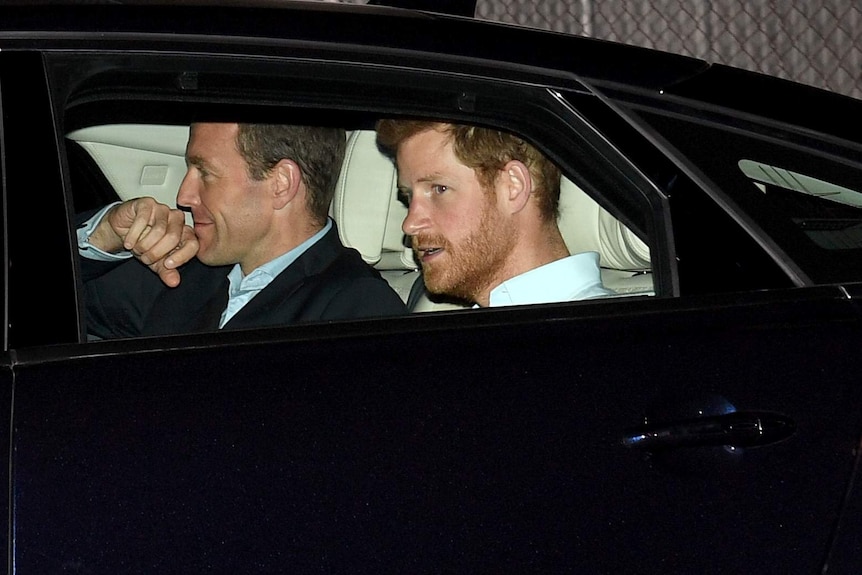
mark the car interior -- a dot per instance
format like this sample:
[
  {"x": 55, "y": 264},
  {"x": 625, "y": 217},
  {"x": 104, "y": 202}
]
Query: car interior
[{"x": 148, "y": 160}]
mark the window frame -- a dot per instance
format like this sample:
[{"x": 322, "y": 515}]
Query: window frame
[
  {"x": 203, "y": 81},
  {"x": 773, "y": 140}
]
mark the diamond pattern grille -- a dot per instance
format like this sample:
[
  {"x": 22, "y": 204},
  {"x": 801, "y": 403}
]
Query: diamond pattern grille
[{"x": 815, "y": 42}]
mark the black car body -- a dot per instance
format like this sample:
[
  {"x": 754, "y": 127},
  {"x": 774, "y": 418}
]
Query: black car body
[{"x": 709, "y": 426}]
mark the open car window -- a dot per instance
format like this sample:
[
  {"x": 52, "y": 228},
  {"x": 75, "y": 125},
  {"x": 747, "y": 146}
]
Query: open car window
[
  {"x": 126, "y": 135},
  {"x": 134, "y": 160}
]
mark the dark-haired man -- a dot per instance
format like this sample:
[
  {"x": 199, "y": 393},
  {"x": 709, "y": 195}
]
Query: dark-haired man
[{"x": 262, "y": 251}]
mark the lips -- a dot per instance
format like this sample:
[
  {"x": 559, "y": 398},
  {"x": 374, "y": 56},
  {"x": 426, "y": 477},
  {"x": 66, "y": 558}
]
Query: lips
[
  {"x": 425, "y": 253},
  {"x": 428, "y": 248},
  {"x": 200, "y": 221}
]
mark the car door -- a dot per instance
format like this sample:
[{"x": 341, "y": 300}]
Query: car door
[
  {"x": 450, "y": 443},
  {"x": 707, "y": 433}
]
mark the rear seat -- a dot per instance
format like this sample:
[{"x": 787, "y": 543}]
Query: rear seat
[
  {"x": 369, "y": 218},
  {"x": 369, "y": 214},
  {"x": 586, "y": 226},
  {"x": 138, "y": 159}
]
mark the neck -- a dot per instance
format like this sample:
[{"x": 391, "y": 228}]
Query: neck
[
  {"x": 530, "y": 252},
  {"x": 288, "y": 238}
]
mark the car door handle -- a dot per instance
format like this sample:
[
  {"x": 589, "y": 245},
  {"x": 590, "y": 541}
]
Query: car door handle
[{"x": 736, "y": 429}]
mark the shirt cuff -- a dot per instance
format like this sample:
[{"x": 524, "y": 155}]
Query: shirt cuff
[{"x": 91, "y": 252}]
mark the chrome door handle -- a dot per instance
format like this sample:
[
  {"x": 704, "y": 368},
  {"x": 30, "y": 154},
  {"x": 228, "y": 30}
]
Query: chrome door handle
[{"x": 736, "y": 429}]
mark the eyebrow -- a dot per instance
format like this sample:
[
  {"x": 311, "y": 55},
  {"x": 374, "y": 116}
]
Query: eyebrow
[
  {"x": 195, "y": 161},
  {"x": 430, "y": 177}
]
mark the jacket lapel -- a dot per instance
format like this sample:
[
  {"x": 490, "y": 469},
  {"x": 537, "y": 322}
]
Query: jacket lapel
[
  {"x": 195, "y": 306},
  {"x": 283, "y": 299}
]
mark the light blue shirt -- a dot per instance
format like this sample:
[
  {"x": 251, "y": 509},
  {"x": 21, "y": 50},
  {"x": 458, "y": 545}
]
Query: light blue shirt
[
  {"x": 242, "y": 288},
  {"x": 573, "y": 278},
  {"x": 90, "y": 251}
]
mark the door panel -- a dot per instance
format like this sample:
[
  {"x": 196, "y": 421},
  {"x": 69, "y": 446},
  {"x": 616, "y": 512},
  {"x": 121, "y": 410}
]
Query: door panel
[
  {"x": 6, "y": 393},
  {"x": 448, "y": 444},
  {"x": 36, "y": 225}
]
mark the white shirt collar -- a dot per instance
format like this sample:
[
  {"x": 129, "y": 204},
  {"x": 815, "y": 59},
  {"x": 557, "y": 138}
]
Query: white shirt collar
[{"x": 573, "y": 278}]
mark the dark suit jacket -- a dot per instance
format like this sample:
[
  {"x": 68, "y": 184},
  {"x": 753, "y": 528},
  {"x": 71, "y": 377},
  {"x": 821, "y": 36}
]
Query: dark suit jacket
[{"x": 327, "y": 282}]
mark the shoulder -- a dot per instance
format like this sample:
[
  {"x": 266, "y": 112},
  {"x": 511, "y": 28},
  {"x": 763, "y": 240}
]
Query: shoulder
[
  {"x": 333, "y": 282},
  {"x": 347, "y": 287},
  {"x": 351, "y": 281}
]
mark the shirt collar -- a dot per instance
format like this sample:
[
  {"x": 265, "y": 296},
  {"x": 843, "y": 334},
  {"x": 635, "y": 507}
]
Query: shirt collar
[
  {"x": 568, "y": 279},
  {"x": 262, "y": 275}
]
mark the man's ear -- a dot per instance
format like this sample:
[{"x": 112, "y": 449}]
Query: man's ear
[
  {"x": 287, "y": 182},
  {"x": 517, "y": 185}
]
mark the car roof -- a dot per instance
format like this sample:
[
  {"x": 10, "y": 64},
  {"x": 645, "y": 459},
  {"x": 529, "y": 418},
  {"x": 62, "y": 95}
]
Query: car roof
[
  {"x": 431, "y": 39},
  {"x": 378, "y": 27}
]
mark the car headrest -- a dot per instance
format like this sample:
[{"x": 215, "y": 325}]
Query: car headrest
[
  {"x": 369, "y": 215},
  {"x": 366, "y": 205},
  {"x": 587, "y": 227},
  {"x": 138, "y": 159}
]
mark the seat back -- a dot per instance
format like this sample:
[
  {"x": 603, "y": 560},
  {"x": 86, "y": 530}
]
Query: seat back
[
  {"x": 138, "y": 160},
  {"x": 588, "y": 227},
  {"x": 369, "y": 214}
]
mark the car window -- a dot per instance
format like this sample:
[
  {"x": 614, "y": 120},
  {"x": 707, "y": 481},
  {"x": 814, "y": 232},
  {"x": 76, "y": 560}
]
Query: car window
[
  {"x": 797, "y": 193},
  {"x": 124, "y": 140},
  {"x": 647, "y": 210},
  {"x": 119, "y": 162},
  {"x": 830, "y": 215}
]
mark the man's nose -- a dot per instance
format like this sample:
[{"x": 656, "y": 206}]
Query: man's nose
[
  {"x": 417, "y": 218},
  {"x": 187, "y": 195}
]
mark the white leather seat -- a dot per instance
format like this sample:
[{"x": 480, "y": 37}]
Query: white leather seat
[
  {"x": 369, "y": 214},
  {"x": 139, "y": 159},
  {"x": 369, "y": 218},
  {"x": 586, "y": 226}
]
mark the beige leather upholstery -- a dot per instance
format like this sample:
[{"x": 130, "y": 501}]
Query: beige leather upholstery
[
  {"x": 369, "y": 214},
  {"x": 139, "y": 160},
  {"x": 369, "y": 217},
  {"x": 586, "y": 226}
]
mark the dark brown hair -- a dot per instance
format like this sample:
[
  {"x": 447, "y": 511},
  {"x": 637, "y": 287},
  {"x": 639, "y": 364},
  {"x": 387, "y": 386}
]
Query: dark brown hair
[{"x": 319, "y": 152}]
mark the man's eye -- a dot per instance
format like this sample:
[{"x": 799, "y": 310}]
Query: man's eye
[
  {"x": 438, "y": 188},
  {"x": 404, "y": 197}
]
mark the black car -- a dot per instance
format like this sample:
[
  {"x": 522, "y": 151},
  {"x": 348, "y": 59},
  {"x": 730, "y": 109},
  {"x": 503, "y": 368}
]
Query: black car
[{"x": 707, "y": 420}]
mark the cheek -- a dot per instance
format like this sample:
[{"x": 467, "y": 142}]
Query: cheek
[
  {"x": 463, "y": 222},
  {"x": 207, "y": 194},
  {"x": 224, "y": 201},
  {"x": 248, "y": 212}
]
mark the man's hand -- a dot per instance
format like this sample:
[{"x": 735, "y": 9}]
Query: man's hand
[{"x": 155, "y": 233}]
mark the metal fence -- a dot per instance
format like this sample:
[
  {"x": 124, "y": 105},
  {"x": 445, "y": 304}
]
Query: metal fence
[{"x": 815, "y": 42}]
